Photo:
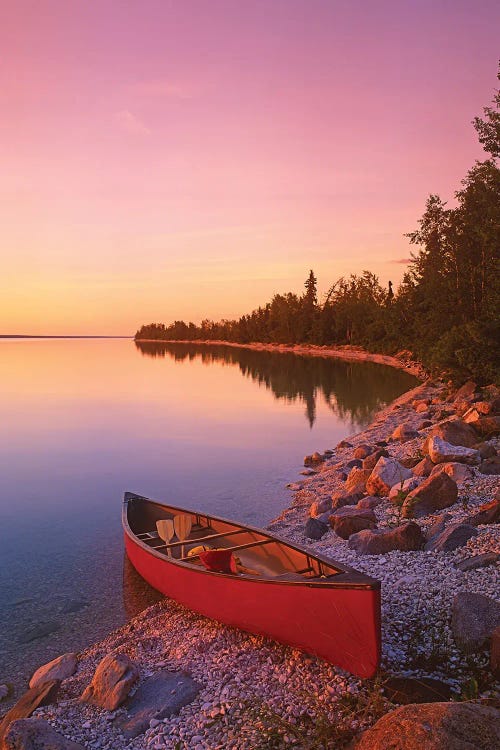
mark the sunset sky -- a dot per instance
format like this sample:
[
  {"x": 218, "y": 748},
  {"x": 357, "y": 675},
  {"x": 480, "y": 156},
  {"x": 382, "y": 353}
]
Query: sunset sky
[{"x": 167, "y": 159}]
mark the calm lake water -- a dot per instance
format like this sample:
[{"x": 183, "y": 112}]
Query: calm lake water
[{"x": 215, "y": 428}]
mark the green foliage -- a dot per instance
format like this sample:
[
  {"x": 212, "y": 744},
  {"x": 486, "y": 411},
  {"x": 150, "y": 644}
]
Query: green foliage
[{"x": 445, "y": 310}]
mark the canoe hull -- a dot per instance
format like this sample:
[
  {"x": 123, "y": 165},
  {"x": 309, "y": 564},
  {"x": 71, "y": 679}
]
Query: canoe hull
[{"x": 341, "y": 625}]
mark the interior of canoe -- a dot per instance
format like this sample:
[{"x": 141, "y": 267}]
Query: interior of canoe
[{"x": 255, "y": 553}]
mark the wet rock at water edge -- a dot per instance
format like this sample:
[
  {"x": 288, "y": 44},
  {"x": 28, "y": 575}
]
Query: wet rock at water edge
[
  {"x": 58, "y": 669},
  {"x": 455, "y": 535},
  {"x": 315, "y": 529},
  {"x": 161, "y": 695},
  {"x": 478, "y": 561},
  {"x": 435, "y": 726},
  {"x": 36, "y": 734},
  {"x": 40, "y": 630},
  {"x": 112, "y": 681},
  {"x": 407, "y": 537},
  {"x": 435, "y": 493},
  {"x": 474, "y": 618}
]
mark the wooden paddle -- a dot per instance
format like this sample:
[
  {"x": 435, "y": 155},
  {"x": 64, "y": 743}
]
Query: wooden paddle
[
  {"x": 182, "y": 526},
  {"x": 166, "y": 532}
]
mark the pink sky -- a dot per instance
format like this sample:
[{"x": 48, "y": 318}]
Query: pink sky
[{"x": 189, "y": 158}]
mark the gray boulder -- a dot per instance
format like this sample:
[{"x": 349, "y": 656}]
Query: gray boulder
[
  {"x": 36, "y": 734},
  {"x": 112, "y": 682},
  {"x": 435, "y": 493},
  {"x": 474, "y": 617},
  {"x": 456, "y": 535}
]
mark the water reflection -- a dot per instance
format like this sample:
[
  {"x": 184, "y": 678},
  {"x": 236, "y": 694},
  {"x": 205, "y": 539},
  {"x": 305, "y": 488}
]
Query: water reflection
[{"x": 353, "y": 391}]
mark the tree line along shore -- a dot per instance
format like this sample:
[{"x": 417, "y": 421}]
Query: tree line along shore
[{"x": 445, "y": 311}]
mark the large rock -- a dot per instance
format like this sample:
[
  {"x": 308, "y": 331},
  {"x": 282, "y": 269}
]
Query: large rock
[
  {"x": 386, "y": 474},
  {"x": 370, "y": 501},
  {"x": 484, "y": 424},
  {"x": 356, "y": 481},
  {"x": 348, "y": 521},
  {"x": 36, "y": 734},
  {"x": 487, "y": 513},
  {"x": 466, "y": 391},
  {"x": 460, "y": 473},
  {"x": 58, "y": 669},
  {"x": 435, "y": 493},
  {"x": 318, "y": 507},
  {"x": 339, "y": 499},
  {"x": 490, "y": 466},
  {"x": 423, "y": 468},
  {"x": 435, "y": 726},
  {"x": 161, "y": 695},
  {"x": 406, "y": 537},
  {"x": 404, "y": 432},
  {"x": 363, "y": 450},
  {"x": 41, "y": 695},
  {"x": 440, "y": 452},
  {"x": 112, "y": 682},
  {"x": 455, "y": 535},
  {"x": 456, "y": 432},
  {"x": 315, "y": 529},
  {"x": 370, "y": 461},
  {"x": 474, "y": 617}
]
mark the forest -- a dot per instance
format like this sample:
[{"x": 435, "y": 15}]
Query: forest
[{"x": 445, "y": 311}]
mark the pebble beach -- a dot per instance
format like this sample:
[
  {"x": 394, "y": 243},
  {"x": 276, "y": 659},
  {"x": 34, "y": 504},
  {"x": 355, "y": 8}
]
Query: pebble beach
[{"x": 250, "y": 692}]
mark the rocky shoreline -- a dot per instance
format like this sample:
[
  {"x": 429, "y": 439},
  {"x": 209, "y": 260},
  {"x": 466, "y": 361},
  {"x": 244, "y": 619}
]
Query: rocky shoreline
[{"x": 434, "y": 542}]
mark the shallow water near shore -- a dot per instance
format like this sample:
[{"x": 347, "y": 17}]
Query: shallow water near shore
[{"x": 213, "y": 428}]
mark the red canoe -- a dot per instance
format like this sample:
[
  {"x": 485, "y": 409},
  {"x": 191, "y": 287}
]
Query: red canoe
[{"x": 306, "y": 601}]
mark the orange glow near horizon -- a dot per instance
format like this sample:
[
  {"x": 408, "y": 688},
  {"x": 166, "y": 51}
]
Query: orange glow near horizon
[{"x": 191, "y": 159}]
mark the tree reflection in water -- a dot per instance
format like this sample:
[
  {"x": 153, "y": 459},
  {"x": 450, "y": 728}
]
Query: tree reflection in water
[{"x": 353, "y": 390}]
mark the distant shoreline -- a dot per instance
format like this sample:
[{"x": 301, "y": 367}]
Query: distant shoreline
[{"x": 351, "y": 353}]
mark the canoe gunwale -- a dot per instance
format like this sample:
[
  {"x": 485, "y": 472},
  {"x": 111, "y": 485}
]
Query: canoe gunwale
[{"x": 350, "y": 577}]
